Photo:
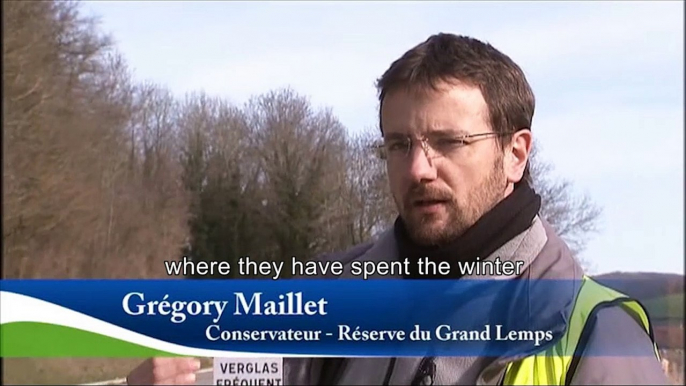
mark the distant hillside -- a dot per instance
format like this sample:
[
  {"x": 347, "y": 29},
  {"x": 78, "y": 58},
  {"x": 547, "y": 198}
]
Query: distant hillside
[
  {"x": 661, "y": 293},
  {"x": 666, "y": 308},
  {"x": 644, "y": 285}
]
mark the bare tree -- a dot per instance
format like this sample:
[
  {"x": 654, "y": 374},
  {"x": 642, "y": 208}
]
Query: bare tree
[
  {"x": 220, "y": 174},
  {"x": 52, "y": 58},
  {"x": 574, "y": 217},
  {"x": 72, "y": 201},
  {"x": 153, "y": 204},
  {"x": 302, "y": 170},
  {"x": 369, "y": 204}
]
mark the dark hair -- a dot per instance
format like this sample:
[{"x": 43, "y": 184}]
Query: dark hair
[{"x": 446, "y": 58}]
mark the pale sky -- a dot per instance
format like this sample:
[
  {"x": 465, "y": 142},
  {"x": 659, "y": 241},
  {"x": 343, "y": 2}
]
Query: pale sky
[{"x": 608, "y": 79}]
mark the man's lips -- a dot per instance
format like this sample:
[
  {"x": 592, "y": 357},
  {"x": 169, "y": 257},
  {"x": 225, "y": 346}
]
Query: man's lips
[{"x": 428, "y": 202}]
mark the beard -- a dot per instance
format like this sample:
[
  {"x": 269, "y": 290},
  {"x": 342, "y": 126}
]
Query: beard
[{"x": 455, "y": 217}]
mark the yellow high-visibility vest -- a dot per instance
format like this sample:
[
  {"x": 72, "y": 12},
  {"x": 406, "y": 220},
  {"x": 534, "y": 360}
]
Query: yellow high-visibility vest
[{"x": 552, "y": 366}]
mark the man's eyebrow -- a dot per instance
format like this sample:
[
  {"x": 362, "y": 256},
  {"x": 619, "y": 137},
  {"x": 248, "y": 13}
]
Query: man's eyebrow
[
  {"x": 444, "y": 132},
  {"x": 448, "y": 132},
  {"x": 395, "y": 136}
]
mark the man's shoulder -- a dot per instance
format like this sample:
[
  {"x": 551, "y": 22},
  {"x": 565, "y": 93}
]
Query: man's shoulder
[{"x": 618, "y": 350}]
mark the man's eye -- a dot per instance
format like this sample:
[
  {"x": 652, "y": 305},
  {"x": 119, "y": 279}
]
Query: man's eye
[
  {"x": 448, "y": 142},
  {"x": 395, "y": 146}
]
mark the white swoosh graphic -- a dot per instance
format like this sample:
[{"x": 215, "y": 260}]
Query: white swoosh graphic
[{"x": 21, "y": 308}]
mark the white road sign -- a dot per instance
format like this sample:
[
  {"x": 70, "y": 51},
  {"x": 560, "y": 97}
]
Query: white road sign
[{"x": 248, "y": 371}]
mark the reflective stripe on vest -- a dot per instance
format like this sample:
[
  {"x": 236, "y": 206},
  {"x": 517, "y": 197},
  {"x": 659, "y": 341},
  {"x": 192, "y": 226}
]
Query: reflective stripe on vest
[{"x": 552, "y": 366}]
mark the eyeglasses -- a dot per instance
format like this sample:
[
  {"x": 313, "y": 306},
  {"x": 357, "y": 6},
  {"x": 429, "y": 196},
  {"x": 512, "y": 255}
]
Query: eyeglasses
[{"x": 434, "y": 146}]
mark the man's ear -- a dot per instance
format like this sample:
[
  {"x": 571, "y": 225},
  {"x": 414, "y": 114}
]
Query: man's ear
[{"x": 517, "y": 155}]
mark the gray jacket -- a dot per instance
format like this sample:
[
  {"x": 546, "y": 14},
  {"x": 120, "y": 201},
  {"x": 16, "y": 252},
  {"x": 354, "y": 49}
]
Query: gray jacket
[{"x": 546, "y": 256}]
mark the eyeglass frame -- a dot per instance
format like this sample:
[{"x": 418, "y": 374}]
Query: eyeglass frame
[{"x": 383, "y": 151}]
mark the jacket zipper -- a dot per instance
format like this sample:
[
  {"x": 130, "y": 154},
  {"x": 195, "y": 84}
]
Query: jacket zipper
[{"x": 389, "y": 372}]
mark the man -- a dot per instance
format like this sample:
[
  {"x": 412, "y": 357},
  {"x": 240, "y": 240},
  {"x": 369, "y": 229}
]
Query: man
[{"x": 455, "y": 115}]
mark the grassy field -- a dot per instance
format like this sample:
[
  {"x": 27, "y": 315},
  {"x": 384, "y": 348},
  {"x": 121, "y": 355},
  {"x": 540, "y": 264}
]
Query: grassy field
[{"x": 666, "y": 307}]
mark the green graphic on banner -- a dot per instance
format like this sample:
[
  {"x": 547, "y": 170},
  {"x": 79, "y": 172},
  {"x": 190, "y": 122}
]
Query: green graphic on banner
[{"x": 32, "y": 339}]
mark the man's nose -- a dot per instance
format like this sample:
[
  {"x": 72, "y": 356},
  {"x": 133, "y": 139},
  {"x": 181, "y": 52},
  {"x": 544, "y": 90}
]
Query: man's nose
[{"x": 422, "y": 166}]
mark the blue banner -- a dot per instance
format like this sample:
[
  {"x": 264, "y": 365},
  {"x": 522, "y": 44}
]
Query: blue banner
[{"x": 326, "y": 317}]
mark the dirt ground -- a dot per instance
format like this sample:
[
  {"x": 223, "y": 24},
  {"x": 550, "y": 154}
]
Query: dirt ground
[
  {"x": 66, "y": 371},
  {"x": 44, "y": 371},
  {"x": 675, "y": 365}
]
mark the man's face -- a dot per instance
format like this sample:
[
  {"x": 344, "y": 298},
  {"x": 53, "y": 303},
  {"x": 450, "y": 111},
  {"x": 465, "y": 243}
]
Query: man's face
[{"x": 441, "y": 194}]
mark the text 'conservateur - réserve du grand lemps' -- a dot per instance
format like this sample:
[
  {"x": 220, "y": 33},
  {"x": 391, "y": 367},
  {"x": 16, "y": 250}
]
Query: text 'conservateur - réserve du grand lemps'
[{"x": 294, "y": 303}]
